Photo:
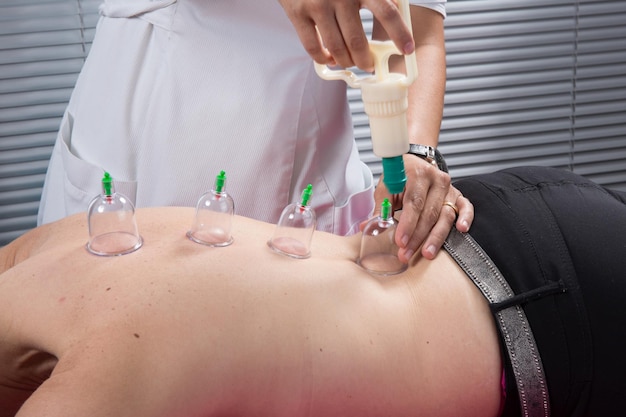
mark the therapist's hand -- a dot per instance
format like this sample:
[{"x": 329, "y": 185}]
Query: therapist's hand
[
  {"x": 343, "y": 41},
  {"x": 425, "y": 219}
]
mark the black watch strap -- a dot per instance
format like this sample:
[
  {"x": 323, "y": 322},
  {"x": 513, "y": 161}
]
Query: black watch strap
[{"x": 430, "y": 154}]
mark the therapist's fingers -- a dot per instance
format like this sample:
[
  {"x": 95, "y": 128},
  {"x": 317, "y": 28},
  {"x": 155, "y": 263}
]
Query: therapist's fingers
[
  {"x": 447, "y": 218},
  {"x": 423, "y": 198},
  {"x": 304, "y": 16},
  {"x": 332, "y": 33},
  {"x": 466, "y": 214},
  {"x": 328, "y": 28},
  {"x": 351, "y": 47},
  {"x": 380, "y": 193},
  {"x": 389, "y": 16}
]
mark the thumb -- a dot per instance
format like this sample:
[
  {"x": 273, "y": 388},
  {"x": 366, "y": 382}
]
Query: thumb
[{"x": 380, "y": 194}]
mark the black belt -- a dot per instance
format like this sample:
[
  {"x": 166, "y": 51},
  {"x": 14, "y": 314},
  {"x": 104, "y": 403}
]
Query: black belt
[{"x": 516, "y": 332}]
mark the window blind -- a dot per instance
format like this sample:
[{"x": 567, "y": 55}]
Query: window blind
[
  {"x": 532, "y": 82},
  {"x": 599, "y": 102},
  {"x": 43, "y": 44}
]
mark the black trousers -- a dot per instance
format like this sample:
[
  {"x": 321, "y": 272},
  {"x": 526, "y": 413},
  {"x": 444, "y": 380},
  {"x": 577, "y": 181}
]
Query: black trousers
[{"x": 560, "y": 242}]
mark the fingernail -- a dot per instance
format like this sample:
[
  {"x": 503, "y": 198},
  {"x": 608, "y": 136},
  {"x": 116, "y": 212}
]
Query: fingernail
[
  {"x": 408, "y": 48},
  {"x": 430, "y": 251},
  {"x": 404, "y": 240},
  {"x": 409, "y": 254}
]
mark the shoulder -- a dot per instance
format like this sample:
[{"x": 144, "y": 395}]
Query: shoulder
[{"x": 42, "y": 238}]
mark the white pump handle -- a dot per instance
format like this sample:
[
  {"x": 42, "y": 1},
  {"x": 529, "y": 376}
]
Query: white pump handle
[{"x": 381, "y": 52}]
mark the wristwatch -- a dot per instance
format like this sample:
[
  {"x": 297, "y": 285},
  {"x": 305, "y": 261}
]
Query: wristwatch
[{"x": 429, "y": 154}]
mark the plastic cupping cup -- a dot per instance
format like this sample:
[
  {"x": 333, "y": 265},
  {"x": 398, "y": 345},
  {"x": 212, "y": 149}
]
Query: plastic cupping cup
[
  {"x": 213, "y": 220},
  {"x": 111, "y": 221},
  {"x": 379, "y": 252},
  {"x": 294, "y": 231}
]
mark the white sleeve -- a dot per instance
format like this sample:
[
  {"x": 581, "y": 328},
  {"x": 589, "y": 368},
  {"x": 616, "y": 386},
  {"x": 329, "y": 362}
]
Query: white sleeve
[{"x": 437, "y": 5}]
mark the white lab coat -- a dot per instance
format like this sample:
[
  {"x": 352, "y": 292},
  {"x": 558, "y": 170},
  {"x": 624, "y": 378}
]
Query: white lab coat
[{"x": 173, "y": 92}]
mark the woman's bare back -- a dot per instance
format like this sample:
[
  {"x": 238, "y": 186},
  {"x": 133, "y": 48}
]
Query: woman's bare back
[{"x": 180, "y": 329}]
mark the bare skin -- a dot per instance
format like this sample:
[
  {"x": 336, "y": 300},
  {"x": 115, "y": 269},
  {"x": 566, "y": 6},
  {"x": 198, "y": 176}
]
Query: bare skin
[{"x": 180, "y": 329}]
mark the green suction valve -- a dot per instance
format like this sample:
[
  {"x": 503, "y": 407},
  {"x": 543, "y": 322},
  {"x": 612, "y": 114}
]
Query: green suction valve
[
  {"x": 306, "y": 195},
  {"x": 394, "y": 175},
  {"x": 385, "y": 209},
  {"x": 219, "y": 181},
  {"x": 107, "y": 184}
]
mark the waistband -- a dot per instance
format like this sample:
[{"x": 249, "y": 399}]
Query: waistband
[{"x": 517, "y": 336}]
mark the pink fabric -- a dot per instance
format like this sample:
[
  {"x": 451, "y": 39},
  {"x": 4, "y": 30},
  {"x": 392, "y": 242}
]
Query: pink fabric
[{"x": 503, "y": 392}]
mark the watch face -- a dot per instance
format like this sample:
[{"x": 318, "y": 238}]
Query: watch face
[
  {"x": 430, "y": 154},
  {"x": 423, "y": 151}
]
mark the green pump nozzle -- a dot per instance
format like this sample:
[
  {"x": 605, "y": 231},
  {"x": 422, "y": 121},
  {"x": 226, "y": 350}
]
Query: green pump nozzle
[
  {"x": 219, "y": 181},
  {"x": 306, "y": 195},
  {"x": 394, "y": 174},
  {"x": 385, "y": 209},
  {"x": 107, "y": 184}
]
